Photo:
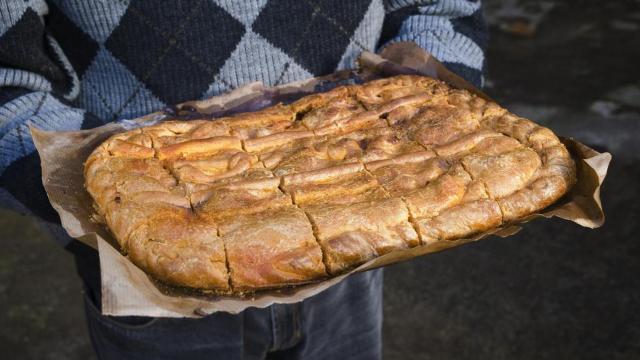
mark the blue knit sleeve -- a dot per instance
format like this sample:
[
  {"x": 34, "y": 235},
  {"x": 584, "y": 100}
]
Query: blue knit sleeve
[
  {"x": 37, "y": 84},
  {"x": 451, "y": 30}
]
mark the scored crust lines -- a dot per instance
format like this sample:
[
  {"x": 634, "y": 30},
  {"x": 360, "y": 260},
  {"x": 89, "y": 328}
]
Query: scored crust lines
[{"x": 293, "y": 193}]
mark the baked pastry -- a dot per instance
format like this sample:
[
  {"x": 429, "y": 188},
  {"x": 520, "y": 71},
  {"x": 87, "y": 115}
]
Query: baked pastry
[{"x": 298, "y": 192}]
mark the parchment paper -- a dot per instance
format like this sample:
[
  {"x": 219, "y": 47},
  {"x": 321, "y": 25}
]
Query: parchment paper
[{"x": 127, "y": 290}]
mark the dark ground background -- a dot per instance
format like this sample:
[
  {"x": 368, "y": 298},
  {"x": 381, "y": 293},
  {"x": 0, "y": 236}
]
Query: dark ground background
[{"x": 554, "y": 291}]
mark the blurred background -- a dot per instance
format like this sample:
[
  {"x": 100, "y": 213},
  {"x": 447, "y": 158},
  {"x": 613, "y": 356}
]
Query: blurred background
[{"x": 555, "y": 290}]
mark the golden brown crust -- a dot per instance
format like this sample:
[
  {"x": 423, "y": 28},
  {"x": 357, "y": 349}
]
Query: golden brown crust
[
  {"x": 177, "y": 248},
  {"x": 408, "y": 172},
  {"x": 271, "y": 248},
  {"x": 344, "y": 184},
  {"x": 291, "y": 193},
  {"x": 516, "y": 169},
  {"x": 352, "y": 234},
  {"x": 461, "y": 221},
  {"x": 241, "y": 198},
  {"x": 198, "y": 148}
]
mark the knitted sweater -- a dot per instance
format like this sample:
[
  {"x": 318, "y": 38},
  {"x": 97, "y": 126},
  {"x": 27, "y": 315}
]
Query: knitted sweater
[{"x": 76, "y": 64}]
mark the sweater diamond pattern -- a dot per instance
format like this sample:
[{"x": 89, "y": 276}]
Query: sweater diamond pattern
[
  {"x": 97, "y": 18},
  {"x": 166, "y": 38},
  {"x": 118, "y": 100},
  {"x": 317, "y": 36},
  {"x": 254, "y": 49},
  {"x": 79, "y": 49},
  {"x": 245, "y": 11}
]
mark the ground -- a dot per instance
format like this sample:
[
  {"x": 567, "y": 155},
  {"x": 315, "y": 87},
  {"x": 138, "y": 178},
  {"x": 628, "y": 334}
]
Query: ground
[{"x": 555, "y": 290}]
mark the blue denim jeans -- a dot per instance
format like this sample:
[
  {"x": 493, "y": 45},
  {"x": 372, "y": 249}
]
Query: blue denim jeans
[{"x": 343, "y": 322}]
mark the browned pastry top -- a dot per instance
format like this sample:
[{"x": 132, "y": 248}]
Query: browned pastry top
[{"x": 294, "y": 193}]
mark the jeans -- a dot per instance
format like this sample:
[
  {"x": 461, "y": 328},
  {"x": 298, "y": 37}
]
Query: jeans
[{"x": 342, "y": 322}]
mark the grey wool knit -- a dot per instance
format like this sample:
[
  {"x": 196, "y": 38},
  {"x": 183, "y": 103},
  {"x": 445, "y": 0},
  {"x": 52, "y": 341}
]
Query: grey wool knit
[{"x": 72, "y": 64}]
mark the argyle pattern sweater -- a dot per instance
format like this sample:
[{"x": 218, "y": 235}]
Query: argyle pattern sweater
[{"x": 77, "y": 64}]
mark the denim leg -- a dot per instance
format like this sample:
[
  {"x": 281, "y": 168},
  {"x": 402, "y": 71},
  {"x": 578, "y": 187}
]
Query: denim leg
[
  {"x": 217, "y": 336},
  {"x": 343, "y": 322}
]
